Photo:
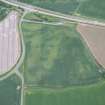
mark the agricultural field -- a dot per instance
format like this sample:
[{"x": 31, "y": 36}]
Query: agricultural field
[
  {"x": 10, "y": 90},
  {"x": 86, "y": 8},
  {"x": 83, "y": 95},
  {"x": 94, "y": 36},
  {"x": 56, "y": 56},
  {"x": 64, "y": 6},
  {"x": 59, "y": 68},
  {"x": 92, "y": 8},
  {"x": 62, "y": 62},
  {"x": 10, "y": 47}
]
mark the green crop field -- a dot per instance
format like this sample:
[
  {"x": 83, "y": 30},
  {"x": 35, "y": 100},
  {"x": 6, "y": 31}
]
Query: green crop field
[
  {"x": 86, "y": 95},
  {"x": 57, "y": 56},
  {"x": 64, "y": 6},
  {"x": 89, "y": 8},
  {"x": 9, "y": 94},
  {"x": 58, "y": 68},
  {"x": 93, "y": 8}
]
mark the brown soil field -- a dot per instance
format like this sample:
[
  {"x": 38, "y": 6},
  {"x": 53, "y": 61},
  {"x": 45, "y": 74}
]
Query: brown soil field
[
  {"x": 10, "y": 47},
  {"x": 94, "y": 36}
]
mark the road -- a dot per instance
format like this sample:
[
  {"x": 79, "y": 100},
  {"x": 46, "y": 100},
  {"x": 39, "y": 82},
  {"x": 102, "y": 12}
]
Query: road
[{"x": 31, "y": 8}]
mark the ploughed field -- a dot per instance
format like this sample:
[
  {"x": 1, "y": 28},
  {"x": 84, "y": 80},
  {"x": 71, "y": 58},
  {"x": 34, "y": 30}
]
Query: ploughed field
[
  {"x": 9, "y": 42},
  {"x": 94, "y": 36}
]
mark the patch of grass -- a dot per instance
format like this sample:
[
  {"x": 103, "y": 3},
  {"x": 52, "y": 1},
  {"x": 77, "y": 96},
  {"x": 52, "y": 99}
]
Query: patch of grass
[
  {"x": 9, "y": 94},
  {"x": 85, "y": 95},
  {"x": 57, "y": 57}
]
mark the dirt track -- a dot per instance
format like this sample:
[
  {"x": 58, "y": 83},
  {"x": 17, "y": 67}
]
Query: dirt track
[
  {"x": 94, "y": 36},
  {"x": 9, "y": 42}
]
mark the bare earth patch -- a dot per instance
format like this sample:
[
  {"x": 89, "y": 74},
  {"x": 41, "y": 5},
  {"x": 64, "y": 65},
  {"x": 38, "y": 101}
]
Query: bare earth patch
[
  {"x": 94, "y": 36},
  {"x": 10, "y": 47}
]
